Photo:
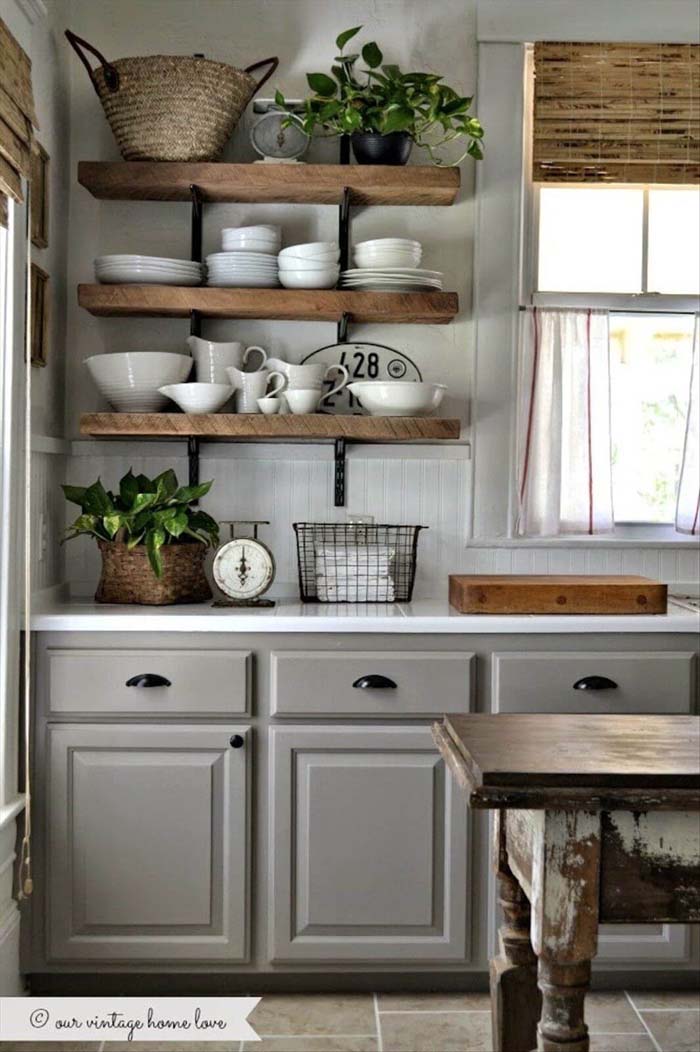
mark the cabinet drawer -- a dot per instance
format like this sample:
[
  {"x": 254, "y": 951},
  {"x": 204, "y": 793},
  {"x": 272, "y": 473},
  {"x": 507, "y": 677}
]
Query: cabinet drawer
[
  {"x": 544, "y": 682},
  {"x": 200, "y": 681},
  {"x": 316, "y": 683}
]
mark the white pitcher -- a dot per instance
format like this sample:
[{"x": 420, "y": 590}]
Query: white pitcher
[
  {"x": 310, "y": 375},
  {"x": 252, "y": 386},
  {"x": 212, "y": 358}
]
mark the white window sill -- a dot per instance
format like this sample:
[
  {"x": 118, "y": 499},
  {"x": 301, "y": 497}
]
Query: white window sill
[{"x": 624, "y": 537}]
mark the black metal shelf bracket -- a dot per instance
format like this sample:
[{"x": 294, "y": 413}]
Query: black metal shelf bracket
[
  {"x": 193, "y": 460},
  {"x": 342, "y": 334},
  {"x": 340, "y": 453},
  {"x": 344, "y": 228},
  {"x": 196, "y": 225}
]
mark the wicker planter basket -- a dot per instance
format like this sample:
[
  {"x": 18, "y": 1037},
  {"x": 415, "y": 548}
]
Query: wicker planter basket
[
  {"x": 127, "y": 576},
  {"x": 171, "y": 107}
]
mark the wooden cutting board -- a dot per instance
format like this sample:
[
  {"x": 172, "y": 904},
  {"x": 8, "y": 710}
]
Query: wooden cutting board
[{"x": 556, "y": 594}]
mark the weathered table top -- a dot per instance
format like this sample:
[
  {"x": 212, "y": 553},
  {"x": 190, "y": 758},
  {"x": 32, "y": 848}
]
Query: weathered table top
[{"x": 596, "y": 762}]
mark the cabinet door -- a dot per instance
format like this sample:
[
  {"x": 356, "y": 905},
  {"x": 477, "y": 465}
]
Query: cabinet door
[
  {"x": 148, "y": 843},
  {"x": 368, "y": 847}
]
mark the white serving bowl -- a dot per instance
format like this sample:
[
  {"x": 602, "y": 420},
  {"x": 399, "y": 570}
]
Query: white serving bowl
[
  {"x": 313, "y": 249},
  {"x": 398, "y": 397},
  {"x": 387, "y": 258},
  {"x": 307, "y": 264},
  {"x": 198, "y": 398},
  {"x": 261, "y": 230},
  {"x": 130, "y": 381},
  {"x": 389, "y": 242},
  {"x": 315, "y": 261},
  {"x": 268, "y": 248},
  {"x": 310, "y": 279}
]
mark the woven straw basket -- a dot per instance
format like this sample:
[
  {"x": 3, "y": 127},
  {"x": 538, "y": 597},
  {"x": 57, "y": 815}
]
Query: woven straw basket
[
  {"x": 171, "y": 107},
  {"x": 127, "y": 576}
]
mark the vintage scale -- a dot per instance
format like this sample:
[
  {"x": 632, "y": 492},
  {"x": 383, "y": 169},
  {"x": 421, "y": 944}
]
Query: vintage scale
[{"x": 244, "y": 567}]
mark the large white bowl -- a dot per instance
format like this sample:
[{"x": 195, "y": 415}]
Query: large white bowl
[
  {"x": 262, "y": 230},
  {"x": 310, "y": 279},
  {"x": 313, "y": 248},
  {"x": 130, "y": 381},
  {"x": 398, "y": 397},
  {"x": 198, "y": 398},
  {"x": 389, "y": 242},
  {"x": 307, "y": 264},
  {"x": 268, "y": 248}
]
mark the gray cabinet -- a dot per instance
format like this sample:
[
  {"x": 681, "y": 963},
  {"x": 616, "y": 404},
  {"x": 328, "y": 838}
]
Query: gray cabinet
[
  {"x": 148, "y": 843},
  {"x": 368, "y": 847}
]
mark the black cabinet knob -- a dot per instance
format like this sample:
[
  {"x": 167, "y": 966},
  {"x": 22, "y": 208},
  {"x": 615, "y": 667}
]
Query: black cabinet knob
[
  {"x": 374, "y": 683},
  {"x": 148, "y": 679},
  {"x": 595, "y": 683},
  {"x": 236, "y": 741}
]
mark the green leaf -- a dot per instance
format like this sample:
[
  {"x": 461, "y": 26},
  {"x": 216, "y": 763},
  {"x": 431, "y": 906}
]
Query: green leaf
[
  {"x": 392, "y": 72},
  {"x": 474, "y": 150},
  {"x": 347, "y": 34},
  {"x": 128, "y": 489},
  {"x": 166, "y": 485},
  {"x": 145, "y": 484},
  {"x": 398, "y": 119},
  {"x": 177, "y": 524},
  {"x": 142, "y": 501},
  {"x": 280, "y": 99},
  {"x": 96, "y": 500},
  {"x": 322, "y": 84},
  {"x": 75, "y": 494},
  {"x": 133, "y": 541},
  {"x": 186, "y": 494},
  {"x": 112, "y": 523},
  {"x": 155, "y": 539},
  {"x": 372, "y": 55}
]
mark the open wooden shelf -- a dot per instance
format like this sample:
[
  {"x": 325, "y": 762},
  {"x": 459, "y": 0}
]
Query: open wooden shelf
[
  {"x": 267, "y": 183},
  {"x": 232, "y": 426},
  {"x": 427, "y": 308}
]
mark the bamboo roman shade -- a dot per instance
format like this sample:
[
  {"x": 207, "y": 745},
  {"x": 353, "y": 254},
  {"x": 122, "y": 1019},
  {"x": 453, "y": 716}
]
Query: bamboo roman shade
[
  {"x": 608, "y": 112},
  {"x": 17, "y": 118}
]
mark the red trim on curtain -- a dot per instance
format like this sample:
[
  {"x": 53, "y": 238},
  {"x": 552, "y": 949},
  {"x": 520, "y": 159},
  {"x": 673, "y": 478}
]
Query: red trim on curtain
[
  {"x": 531, "y": 411},
  {"x": 590, "y": 424},
  {"x": 694, "y": 528}
]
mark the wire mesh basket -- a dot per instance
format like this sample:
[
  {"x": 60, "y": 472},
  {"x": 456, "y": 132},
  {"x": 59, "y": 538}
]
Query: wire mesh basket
[{"x": 356, "y": 563}]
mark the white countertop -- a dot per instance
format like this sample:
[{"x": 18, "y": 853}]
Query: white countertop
[{"x": 51, "y": 613}]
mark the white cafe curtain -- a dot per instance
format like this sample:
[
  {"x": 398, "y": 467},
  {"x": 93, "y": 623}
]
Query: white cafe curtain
[
  {"x": 563, "y": 423},
  {"x": 688, "y": 506}
]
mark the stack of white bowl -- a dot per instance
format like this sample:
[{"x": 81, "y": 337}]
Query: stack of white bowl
[
  {"x": 131, "y": 381},
  {"x": 249, "y": 259},
  {"x": 147, "y": 270},
  {"x": 390, "y": 264},
  {"x": 311, "y": 266}
]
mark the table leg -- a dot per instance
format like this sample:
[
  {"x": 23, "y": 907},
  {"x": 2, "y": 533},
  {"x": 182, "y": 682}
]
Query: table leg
[
  {"x": 515, "y": 999},
  {"x": 565, "y": 882}
]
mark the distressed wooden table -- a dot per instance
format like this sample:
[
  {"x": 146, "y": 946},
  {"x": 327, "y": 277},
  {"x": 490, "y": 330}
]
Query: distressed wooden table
[{"x": 597, "y": 821}]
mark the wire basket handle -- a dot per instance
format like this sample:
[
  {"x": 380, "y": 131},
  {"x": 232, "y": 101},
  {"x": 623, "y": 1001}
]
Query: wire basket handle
[
  {"x": 110, "y": 72},
  {"x": 274, "y": 63}
]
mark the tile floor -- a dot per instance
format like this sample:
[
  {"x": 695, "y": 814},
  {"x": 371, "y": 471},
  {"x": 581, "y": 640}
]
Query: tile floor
[{"x": 618, "y": 1022}]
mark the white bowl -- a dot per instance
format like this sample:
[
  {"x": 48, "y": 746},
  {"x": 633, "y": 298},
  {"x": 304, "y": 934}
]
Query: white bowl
[
  {"x": 130, "y": 381},
  {"x": 389, "y": 242},
  {"x": 262, "y": 230},
  {"x": 198, "y": 398},
  {"x": 398, "y": 397},
  {"x": 313, "y": 248},
  {"x": 309, "y": 279},
  {"x": 268, "y": 248},
  {"x": 308, "y": 264},
  {"x": 317, "y": 261}
]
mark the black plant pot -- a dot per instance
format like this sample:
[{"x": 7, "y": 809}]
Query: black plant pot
[{"x": 372, "y": 148}]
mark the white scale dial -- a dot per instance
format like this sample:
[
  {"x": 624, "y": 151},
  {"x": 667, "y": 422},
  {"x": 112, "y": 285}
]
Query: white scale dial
[{"x": 244, "y": 568}]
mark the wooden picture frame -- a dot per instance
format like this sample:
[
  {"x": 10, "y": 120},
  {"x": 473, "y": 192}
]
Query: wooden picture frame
[
  {"x": 39, "y": 315},
  {"x": 40, "y": 195}
]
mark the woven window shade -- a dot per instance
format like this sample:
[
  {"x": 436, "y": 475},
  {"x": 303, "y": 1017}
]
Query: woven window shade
[
  {"x": 17, "y": 118},
  {"x": 627, "y": 113}
]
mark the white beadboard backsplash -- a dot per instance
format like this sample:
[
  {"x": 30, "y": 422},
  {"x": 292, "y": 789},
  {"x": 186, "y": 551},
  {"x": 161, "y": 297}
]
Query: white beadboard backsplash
[{"x": 286, "y": 484}]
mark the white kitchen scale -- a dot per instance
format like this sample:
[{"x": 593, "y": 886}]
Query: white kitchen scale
[{"x": 244, "y": 567}]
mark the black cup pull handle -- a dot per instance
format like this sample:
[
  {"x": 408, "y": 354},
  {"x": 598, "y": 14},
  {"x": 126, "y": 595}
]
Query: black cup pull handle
[
  {"x": 148, "y": 679},
  {"x": 374, "y": 683},
  {"x": 595, "y": 683},
  {"x": 236, "y": 741}
]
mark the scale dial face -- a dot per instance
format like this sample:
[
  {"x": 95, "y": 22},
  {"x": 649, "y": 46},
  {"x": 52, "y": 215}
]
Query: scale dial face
[{"x": 244, "y": 568}]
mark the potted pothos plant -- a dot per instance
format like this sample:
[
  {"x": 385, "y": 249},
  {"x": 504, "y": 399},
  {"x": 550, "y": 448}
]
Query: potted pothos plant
[
  {"x": 152, "y": 538},
  {"x": 383, "y": 110}
]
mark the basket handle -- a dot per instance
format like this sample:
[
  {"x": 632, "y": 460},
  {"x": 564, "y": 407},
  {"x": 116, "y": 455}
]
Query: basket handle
[
  {"x": 274, "y": 63},
  {"x": 111, "y": 74}
]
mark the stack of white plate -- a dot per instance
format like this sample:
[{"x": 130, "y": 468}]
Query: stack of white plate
[
  {"x": 392, "y": 279},
  {"x": 265, "y": 238},
  {"x": 388, "y": 252},
  {"x": 310, "y": 266},
  {"x": 243, "y": 270},
  {"x": 147, "y": 270}
]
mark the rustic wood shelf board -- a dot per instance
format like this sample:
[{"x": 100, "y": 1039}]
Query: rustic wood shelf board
[
  {"x": 429, "y": 308},
  {"x": 285, "y": 184},
  {"x": 232, "y": 426}
]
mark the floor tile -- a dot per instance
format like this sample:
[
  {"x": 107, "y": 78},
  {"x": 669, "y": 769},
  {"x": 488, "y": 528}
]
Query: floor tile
[
  {"x": 611, "y": 1014},
  {"x": 674, "y": 1032},
  {"x": 665, "y": 999},
  {"x": 621, "y": 1043},
  {"x": 434, "y": 1002},
  {"x": 312, "y": 1044},
  {"x": 436, "y": 1032},
  {"x": 287, "y": 1014}
]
